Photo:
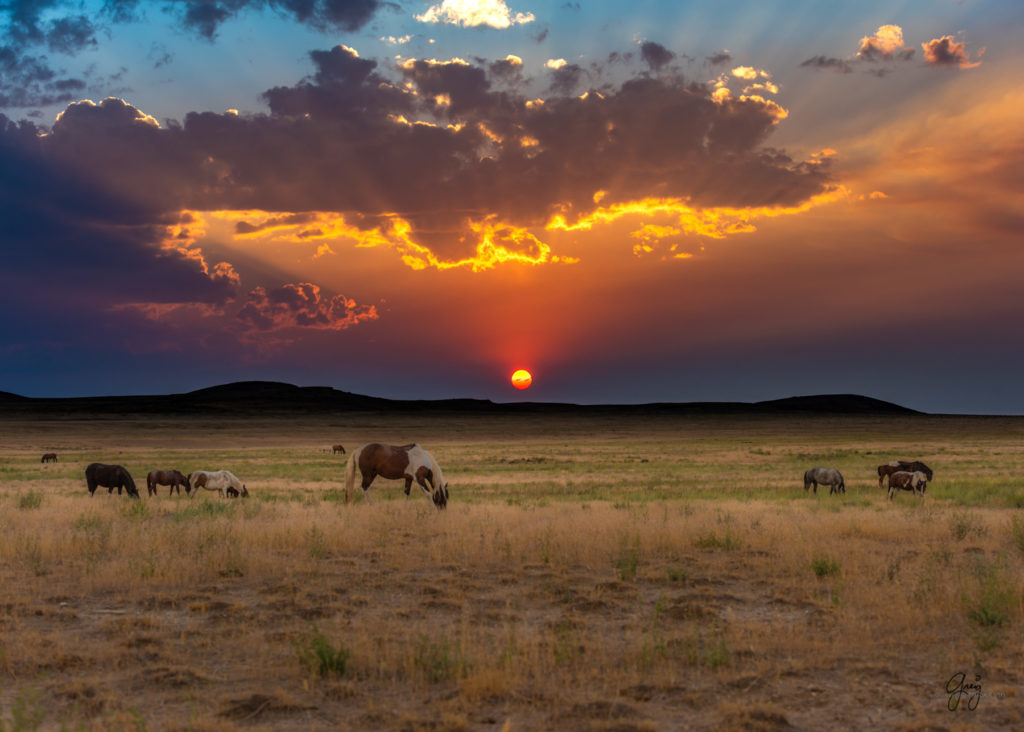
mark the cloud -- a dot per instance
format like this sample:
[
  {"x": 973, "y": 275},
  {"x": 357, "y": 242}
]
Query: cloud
[
  {"x": 719, "y": 58},
  {"x": 439, "y": 145},
  {"x": 206, "y": 16},
  {"x": 566, "y": 78},
  {"x": 828, "y": 63},
  {"x": 885, "y": 45},
  {"x": 946, "y": 52},
  {"x": 301, "y": 305},
  {"x": 655, "y": 55},
  {"x": 473, "y": 13},
  {"x": 30, "y": 79}
]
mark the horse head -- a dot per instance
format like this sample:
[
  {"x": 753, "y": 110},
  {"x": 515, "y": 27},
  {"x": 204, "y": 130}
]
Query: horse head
[{"x": 440, "y": 497}]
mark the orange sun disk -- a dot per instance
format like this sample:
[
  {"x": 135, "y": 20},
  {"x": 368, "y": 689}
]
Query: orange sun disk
[{"x": 522, "y": 379}]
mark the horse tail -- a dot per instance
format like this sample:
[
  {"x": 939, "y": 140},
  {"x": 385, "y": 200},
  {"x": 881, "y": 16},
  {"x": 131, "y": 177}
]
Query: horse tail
[{"x": 350, "y": 473}]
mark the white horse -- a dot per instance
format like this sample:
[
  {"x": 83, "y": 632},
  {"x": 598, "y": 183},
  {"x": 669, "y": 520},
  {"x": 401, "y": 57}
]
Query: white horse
[
  {"x": 408, "y": 462},
  {"x": 216, "y": 480}
]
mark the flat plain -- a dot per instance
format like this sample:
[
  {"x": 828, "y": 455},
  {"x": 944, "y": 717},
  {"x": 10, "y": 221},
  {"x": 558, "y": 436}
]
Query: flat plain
[{"x": 594, "y": 571}]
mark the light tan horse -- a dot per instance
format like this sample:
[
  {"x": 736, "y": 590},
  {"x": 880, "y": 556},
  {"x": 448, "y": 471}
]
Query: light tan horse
[{"x": 216, "y": 480}]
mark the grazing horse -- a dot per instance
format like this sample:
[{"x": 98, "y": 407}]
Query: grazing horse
[
  {"x": 173, "y": 478},
  {"x": 905, "y": 480},
  {"x": 894, "y": 466},
  {"x": 826, "y": 476},
  {"x": 337, "y": 449},
  {"x": 216, "y": 480},
  {"x": 408, "y": 462},
  {"x": 110, "y": 477},
  {"x": 49, "y": 457}
]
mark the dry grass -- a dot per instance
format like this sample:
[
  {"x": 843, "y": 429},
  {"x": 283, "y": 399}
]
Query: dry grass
[{"x": 529, "y": 603}]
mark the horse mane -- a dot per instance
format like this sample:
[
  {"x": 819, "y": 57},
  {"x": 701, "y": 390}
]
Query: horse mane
[{"x": 128, "y": 478}]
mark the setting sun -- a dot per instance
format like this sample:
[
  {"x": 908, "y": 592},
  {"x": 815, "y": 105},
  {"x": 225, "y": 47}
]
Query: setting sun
[{"x": 522, "y": 379}]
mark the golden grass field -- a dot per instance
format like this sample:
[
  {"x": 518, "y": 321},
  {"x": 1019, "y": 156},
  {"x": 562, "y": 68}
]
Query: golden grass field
[{"x": 591, "y": 573}]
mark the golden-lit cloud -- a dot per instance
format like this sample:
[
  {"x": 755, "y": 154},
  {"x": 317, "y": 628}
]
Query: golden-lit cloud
[
  {"x": 749, "y": 73},
  {"x": 886, "y": 43},
  {"x": 180, "y": 240},
  {"x": 496, "y": 242},
  {"x": 714, "y": 222},
  {"x": 118, "y": 105},
  {"x": 470, "y": 13},
  {"x": 500, "y": 242}
]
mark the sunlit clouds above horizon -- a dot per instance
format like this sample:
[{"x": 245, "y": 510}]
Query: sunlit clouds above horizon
[{"x": 415, "y": 197}]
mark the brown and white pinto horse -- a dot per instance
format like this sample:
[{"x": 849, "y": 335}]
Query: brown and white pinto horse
[
  {"x": 905, "y": 480},
  {"x": 49, "y": 457},
  {"x": 173, "y": 478},
  {"x": 394, "y": 462},
  {"x": 895, "y": 466}
]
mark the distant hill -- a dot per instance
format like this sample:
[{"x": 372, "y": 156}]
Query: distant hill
[{"x": 272, "y": 397}]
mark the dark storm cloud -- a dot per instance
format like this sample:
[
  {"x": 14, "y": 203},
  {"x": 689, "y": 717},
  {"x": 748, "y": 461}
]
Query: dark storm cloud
[
  {"x": 344, "y": 140},
  {"x": 301, "y": 305},
  {"x": 566, "y": 79},
  {"x": 63, "y": 222},
  {"x": 655, "y": 55},
  {"x": 70, "y": 35},
  {"x": 506, "y": 70},
  {"x": 716, "y": 59}
]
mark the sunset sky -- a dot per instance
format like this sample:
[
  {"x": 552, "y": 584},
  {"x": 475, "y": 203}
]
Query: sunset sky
[{"x": 637, "y": 202}]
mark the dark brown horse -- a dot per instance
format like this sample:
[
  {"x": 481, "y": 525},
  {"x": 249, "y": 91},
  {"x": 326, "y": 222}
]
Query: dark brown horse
[
  {"x": 337, "y": 449},
  {"x": 895, "y": 466},
  {"x": 397, "y": 462},
  {"x": 49, "y": 457},
  {"x": 110, "y": 477},
  {"x": 173, "y": 478}
]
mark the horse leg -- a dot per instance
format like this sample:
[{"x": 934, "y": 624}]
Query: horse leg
[
  {"x": 423, "y": 477},
  {"x": 366, "y": 484},
  {"x": 408, "y": 485}
]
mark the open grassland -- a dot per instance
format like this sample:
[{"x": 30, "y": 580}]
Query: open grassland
[{"x": 603, "y": 573}]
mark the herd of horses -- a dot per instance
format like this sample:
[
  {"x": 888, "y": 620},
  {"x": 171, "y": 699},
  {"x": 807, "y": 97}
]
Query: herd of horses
[
  {"x": 394, "y": 462},
  {"x": 412, "y": 463},
  {"x": 110, "y": 477},
  {"x": 902, "y": 475}
]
